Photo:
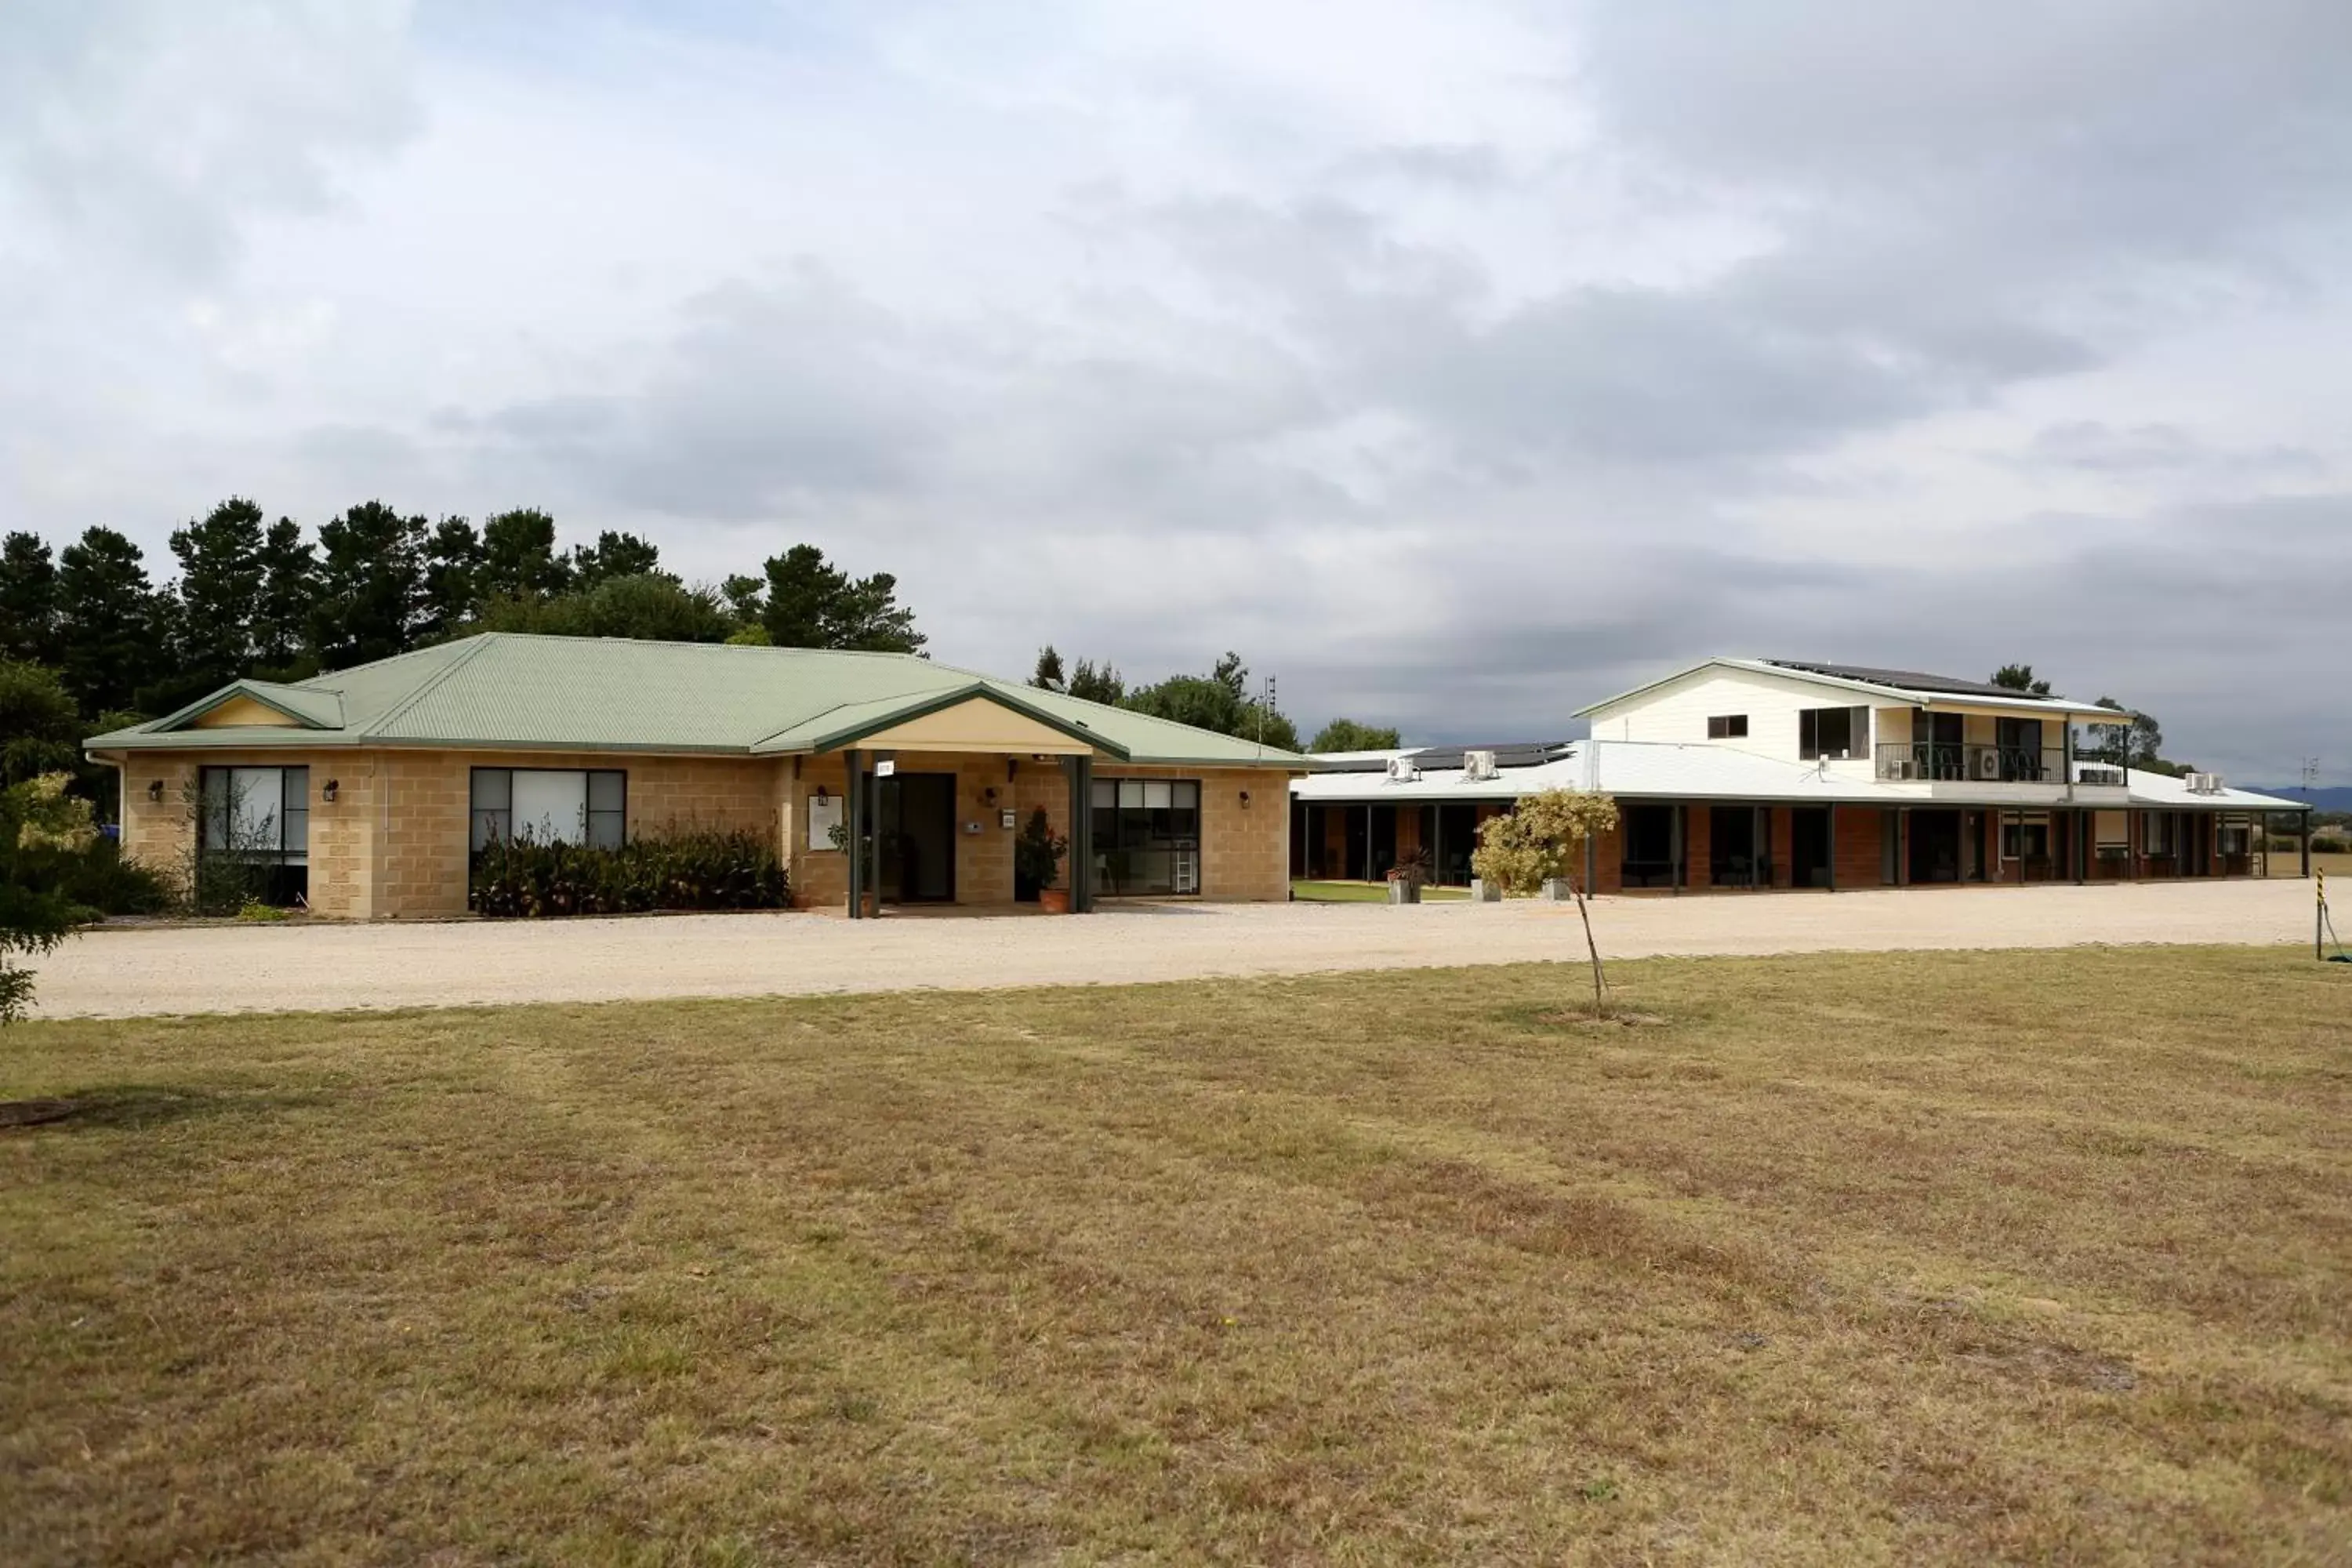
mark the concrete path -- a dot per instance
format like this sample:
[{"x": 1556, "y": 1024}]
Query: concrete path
[{"x": 128, "y": 973}]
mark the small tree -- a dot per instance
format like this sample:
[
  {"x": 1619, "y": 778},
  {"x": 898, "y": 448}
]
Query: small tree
[
  {"x": 1542, "y": 838},
  {"x": 36, "y": 815}
]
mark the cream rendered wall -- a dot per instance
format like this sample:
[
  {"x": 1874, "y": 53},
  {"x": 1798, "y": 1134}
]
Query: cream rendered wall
[{"x": 1677, "y": 711}]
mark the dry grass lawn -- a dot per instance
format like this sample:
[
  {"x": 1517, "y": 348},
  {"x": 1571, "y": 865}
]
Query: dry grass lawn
[{"x": 1959, "y": 1257}]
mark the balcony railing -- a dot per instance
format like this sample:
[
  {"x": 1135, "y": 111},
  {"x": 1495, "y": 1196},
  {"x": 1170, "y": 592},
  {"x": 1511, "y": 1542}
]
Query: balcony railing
[{"x": 1955, "y": 763}]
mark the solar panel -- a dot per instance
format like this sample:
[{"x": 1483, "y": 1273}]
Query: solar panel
[{"x": 1907, "y": 679}]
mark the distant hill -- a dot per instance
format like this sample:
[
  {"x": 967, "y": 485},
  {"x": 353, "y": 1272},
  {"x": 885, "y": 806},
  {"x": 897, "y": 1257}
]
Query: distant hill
[{"x": 2335, "y": 797}]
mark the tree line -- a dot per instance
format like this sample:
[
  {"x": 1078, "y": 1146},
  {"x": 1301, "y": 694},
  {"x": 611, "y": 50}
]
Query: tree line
[
  {"x": 90, "y": 638},
  {"x": 254, "y": 598},
  {"x": 1220, "y": 700}
]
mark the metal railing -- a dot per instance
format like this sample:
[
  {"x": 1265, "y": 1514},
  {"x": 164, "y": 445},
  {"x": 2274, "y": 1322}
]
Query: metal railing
[{"x": 1947, "y": 762}]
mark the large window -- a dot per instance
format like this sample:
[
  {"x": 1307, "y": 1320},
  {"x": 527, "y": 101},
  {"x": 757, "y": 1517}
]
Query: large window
[
  {"x": 1147, "y": 836},
  {"x": 1834, "y": 732},
  {"x": 261, "y": 815},
  {"x": 550, "y": 805}
]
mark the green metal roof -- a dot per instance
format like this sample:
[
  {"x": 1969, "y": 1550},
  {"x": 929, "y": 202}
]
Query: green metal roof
[{"x": 507, "y": 691}]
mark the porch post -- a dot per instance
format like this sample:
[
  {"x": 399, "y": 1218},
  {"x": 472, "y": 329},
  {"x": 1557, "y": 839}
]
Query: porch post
[
  {"x": 1368, "y": 841},
  {"x": 1902, "y": 846},
  {"x": 1674, "y": 853},
  {"x": 1831, "y": 857},
  {"x": 853, "y": 810},
  {"x": 1079, "y": 772},
  {"x": 2306, "y": 844},
  {"x": 1436, "y": 845}
]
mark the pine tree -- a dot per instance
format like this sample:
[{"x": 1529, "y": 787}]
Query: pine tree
[
  {"x": 221, "y": 577},
  {"x": 811, "y": 604},
  {"x": 371, "y": 598},
  {"x": 613, "y": 555},
  {"x": 28, "y": 600},
  {"x": 518, "y": 558},
  {"x": 110, "y": 624},
  {"x": 453, "y": 571},
  {"x": 289, "y": 582}
]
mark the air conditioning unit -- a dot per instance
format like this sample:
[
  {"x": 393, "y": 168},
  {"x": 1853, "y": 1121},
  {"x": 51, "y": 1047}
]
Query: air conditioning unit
[
  {"x": 1987, "y": 764},
  {"x": 1479, "y": 764},
  {"x": 1902, "y": 768},
  {"x": 2098, "y": 773},
  {"x": 2204, "y": 784},
  {"x": 1402, "y": 770}
]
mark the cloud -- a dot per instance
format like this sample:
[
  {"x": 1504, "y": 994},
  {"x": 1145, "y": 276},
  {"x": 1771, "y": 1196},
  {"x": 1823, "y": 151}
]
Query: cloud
[
  {"x": 1458, "y": 371},
  {"x": 148, "y": 131}
]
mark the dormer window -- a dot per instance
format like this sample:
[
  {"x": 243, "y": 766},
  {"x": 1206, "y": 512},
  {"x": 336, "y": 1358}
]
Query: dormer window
[{"x": 1728, "y": 727}]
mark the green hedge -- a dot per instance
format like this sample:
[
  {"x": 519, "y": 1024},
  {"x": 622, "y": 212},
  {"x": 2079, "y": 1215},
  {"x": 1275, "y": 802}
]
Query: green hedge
[
  {"x": 688, "y": 870},
  {"x": 98, "y": 879}
]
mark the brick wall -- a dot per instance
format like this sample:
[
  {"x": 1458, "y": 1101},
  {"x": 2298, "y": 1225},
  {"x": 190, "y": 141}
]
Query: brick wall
[
  {"x": 1698, "y": 831},
  {"x": 1245, "y": 849},
  {"x": 1855, "y": 857}
]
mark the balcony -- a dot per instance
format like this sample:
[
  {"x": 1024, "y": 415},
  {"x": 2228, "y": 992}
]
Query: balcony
[{"x": 1939, "y": 761}]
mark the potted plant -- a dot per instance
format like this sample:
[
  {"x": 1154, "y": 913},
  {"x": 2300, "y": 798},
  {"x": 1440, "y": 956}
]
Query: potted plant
[
  {"x": 1409, "y": 876},
  {"x": 1037, "y": 857}
]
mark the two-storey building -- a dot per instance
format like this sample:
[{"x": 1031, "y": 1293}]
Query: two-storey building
[{"x": 1777, "y": 773}]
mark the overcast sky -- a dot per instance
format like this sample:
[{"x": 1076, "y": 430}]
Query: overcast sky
[{"x": 1457, "y": 363}]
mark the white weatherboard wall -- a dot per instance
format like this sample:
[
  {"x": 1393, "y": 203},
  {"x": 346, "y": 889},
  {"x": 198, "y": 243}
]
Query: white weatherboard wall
[{"x": 1678, "y": 711}]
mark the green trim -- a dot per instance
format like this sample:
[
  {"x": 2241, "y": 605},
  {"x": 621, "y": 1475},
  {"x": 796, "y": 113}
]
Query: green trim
[
  {"x": 850, "y": 734},
  {"x": 252, "y": 690}
]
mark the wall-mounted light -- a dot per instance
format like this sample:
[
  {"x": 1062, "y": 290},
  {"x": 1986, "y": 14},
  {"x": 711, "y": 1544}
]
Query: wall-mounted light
[
  {"x": 989, "y": 794},
  {"x": 821, "y": 797},
  {"x": 155, "y": 790},
  {"x": 1245, "y": 798},
  {"x": 328, "y": 792}
]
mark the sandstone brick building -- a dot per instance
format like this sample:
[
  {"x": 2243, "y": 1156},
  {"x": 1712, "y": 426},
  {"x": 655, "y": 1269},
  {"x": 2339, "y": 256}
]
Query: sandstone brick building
[{"x": 370, "y": 789}]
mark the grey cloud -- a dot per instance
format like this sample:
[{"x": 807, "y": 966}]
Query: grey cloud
[
  {"x": 2094, "y": 445},
  {"x": 151, "y": 131}
]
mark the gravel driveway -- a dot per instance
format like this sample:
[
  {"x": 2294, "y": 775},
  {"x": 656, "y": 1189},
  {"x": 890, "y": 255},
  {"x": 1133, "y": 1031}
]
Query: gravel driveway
[{"x": 161, "y": 970}]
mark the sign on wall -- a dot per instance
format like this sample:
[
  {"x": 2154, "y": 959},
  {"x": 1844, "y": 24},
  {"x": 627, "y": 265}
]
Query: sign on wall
[{"x": 824, "y": 816}]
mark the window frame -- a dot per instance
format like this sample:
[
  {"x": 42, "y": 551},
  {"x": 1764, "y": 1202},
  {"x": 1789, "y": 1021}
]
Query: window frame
[
  {"x": 1726, "y": 727},
  {"x": 611, "y": 784},
  {"x": 1133, "y": 823},
  {"x": 293, "y": 784},
  {"x": 1808, "y": 733}
]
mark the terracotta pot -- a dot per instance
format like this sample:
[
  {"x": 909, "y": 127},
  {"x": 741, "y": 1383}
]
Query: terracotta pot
[{"x": 1053, "y": 900}]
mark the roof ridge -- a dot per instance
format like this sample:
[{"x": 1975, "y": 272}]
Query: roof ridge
[{"x": 464, "y": 657}]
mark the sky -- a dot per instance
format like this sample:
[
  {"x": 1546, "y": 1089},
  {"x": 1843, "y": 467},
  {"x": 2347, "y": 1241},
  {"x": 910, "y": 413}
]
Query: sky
[{"x": 1458, "y": 363}]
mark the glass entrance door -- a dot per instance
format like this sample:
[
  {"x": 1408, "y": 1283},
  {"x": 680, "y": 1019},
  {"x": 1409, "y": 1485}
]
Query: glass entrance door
[{"x": 914, "y": 831}]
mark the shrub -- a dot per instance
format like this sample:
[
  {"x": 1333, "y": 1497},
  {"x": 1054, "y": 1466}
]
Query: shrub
[
  {"x": 694, "y": 870},
  {"x": 1037, "y": 853},
  {"x": 2320, "y": 846},
  {"x": 99, "y": 879}
]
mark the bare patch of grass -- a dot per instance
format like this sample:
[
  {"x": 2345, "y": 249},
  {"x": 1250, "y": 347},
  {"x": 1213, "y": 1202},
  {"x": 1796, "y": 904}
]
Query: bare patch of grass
[{"x": 1962, "y": 1256}]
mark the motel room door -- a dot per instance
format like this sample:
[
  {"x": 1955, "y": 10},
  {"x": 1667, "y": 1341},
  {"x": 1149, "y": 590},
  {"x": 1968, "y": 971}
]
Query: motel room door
[{"x": 916, "y": 832}]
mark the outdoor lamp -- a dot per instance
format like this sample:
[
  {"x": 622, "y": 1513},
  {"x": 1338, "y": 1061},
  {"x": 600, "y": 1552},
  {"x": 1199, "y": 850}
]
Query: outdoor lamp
[
  {"x": 821, "y": 797},
  {"x": 332, "y": 785},
  {"x": 989, "y": 794},
  {"x": 155, "y": 790},
  {"x": 1245, "y": 797}
]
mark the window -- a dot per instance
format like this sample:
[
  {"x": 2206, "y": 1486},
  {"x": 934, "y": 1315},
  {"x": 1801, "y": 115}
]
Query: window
[
  {"x": 1832, "y": 733},
  {"x": 2025, "y": 839},
  {"x": 2156, "y": 833},
  {"x": 550, "y": 805},
  {"x": 1147, "y": 836},
  {"x": 261, "y": 815},
  {"x": 1728, "y": 727}
]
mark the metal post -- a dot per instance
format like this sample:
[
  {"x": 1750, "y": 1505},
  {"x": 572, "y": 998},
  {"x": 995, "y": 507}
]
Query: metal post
[
  {"x": 2306, "y": 842},
  {"x": 1830, "y": 857},
  {"x": 1902, "y": 846},
  {"x": 1674, "y": 849},
  {"x": 852, "y": 797}
]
